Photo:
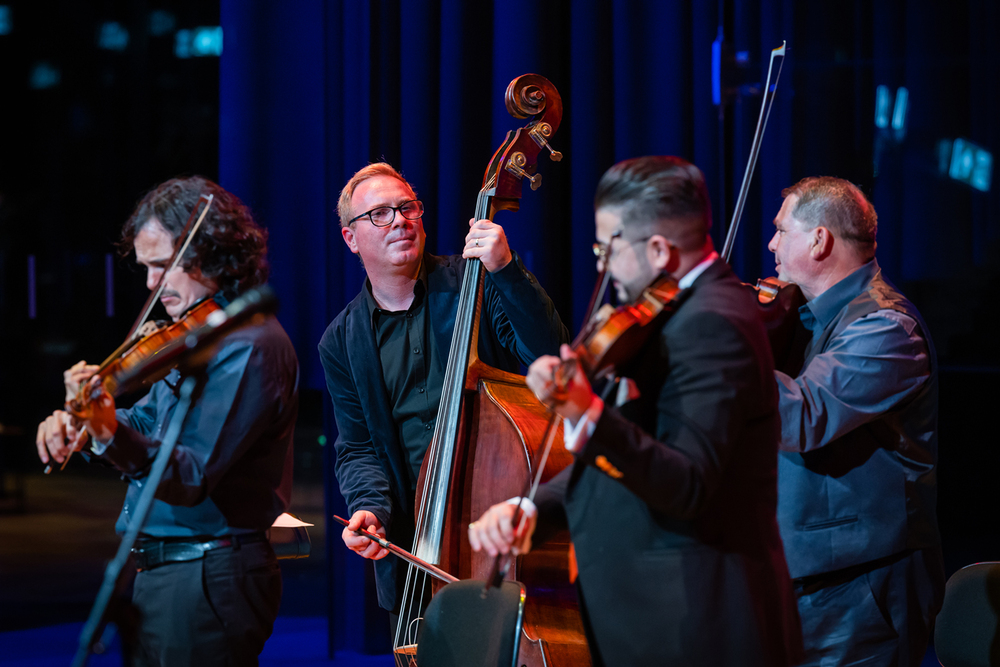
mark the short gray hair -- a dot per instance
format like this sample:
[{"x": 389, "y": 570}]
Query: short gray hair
[{"x": 838, "y": 205}]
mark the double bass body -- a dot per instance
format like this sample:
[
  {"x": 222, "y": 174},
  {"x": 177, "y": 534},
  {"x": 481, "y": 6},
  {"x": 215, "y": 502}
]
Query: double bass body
[{"x": 502, "y": 424}]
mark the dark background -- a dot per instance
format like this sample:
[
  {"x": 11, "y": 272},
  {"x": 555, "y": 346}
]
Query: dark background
[{"x": 307, "y": 92}]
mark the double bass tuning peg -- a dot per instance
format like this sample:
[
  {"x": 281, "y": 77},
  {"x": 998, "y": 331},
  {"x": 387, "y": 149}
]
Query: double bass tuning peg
[
  {"x": 515, "y": 165},
  {"x": 540, "y": 133}
]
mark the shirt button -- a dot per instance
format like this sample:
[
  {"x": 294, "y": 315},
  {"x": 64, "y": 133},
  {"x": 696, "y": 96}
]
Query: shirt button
[
  {"x": 427, "y": 427},
  {"x": 416, "y": 350},
  {"x": 421, "y": 390}
]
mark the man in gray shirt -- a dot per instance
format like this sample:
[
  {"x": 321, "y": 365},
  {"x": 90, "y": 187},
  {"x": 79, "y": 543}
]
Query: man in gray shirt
[{"x": 857, "y": 467}]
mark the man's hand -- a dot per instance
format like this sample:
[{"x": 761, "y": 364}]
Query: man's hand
[
  {"x": 364, "y": 520},
  {"x": 494, "y": 530},
  {"x": 99, "y": 416},
  {"x": 77, "y": 374},
  {"x": 58, "y": 436},
  {"x": 561, "y": 384},
  {"x": 487, "y": 241}
]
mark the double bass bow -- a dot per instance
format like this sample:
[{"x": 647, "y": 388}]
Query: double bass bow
[{"x": 487, "y": 424}]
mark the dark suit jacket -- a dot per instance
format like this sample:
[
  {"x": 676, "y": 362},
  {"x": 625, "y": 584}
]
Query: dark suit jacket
[
  {"x": 518, "y": 324},
  {"x": 671, "y": 502}
]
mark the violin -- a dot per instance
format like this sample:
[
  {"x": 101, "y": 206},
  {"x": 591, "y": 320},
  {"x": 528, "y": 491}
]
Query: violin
[
  {"x": 611, "y": 338},
  {"x": 614, "y": 335},
  {"x": 145, "y": 340},
  {"x": 117, "y": 373}
]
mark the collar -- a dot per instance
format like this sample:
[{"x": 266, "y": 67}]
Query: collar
[
  {"x": 419, "y": 290},
  {"x": 699, "y": 269},
  {"x": 819, "y": 312}
]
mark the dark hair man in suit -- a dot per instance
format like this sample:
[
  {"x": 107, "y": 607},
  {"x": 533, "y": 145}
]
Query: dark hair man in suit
[
  {"x": 856, "y": 474},
  {"x": 671, "y": 500},
  {"x": 384, "y": 355}
]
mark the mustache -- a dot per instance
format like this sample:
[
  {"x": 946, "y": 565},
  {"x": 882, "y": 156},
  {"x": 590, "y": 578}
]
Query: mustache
[{"x": 169, "y": 293}]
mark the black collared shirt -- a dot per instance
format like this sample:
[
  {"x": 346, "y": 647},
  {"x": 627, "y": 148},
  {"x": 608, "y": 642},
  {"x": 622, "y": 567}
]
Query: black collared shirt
[{"x": 412, "y": 368}]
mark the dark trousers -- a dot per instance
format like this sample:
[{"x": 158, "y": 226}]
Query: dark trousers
[
  {"x": 218, "y": 610},
  {"x": 874, "y": 617}
]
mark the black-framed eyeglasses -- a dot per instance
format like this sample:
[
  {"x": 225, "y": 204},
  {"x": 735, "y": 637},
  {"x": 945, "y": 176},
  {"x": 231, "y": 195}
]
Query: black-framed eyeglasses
[
  {"x": 602, "y": 251},
  {"x": 382, "y": 216}
]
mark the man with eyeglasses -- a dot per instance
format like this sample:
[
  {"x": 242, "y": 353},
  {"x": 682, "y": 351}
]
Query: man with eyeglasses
[
  {"x": 384, "y": 355},
  {"x": 671, "y": 499}
]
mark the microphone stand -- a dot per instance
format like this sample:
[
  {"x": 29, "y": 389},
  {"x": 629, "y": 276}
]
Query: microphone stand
[{"x": 113, "y": 573}]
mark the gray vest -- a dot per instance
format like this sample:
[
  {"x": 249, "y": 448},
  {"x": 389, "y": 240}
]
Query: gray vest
[{"x": 871, "y": 493}]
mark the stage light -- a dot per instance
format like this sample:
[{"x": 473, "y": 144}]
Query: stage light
[
  {"x": 6, "y": 20},
  {"x": 882, "y": 103},
  {"x": 966, "y": 162},
  {"x": 44, "y": 75},
  {"x": 204, "y": 41},
  {"x": 182, "y": 44},
  {"x": 113, "y": 36},
  {"x": 899, "y": 111},
  {"x": 161, "y": 22}
]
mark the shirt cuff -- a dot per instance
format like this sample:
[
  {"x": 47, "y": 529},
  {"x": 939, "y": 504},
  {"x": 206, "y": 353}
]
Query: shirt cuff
[
  {"x": 575, "y": 436},
  {"x": 527, "y": 506},
  {"x": 98, "y": 447}
]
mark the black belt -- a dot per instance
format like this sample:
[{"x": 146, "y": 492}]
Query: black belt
[{"x": 153, "y": 553}]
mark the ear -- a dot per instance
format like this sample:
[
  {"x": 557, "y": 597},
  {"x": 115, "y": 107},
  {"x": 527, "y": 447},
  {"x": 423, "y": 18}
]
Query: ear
[
  {"x": 349, "y": 239},
  {"x": 820, "y": 243},
  {"x": 663, "y": 256}
]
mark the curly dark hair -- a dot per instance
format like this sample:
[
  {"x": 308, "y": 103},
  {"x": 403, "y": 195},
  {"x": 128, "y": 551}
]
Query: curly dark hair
[
  {"x": 229, "y": 248},
  {"x": 837, "y": 204}
]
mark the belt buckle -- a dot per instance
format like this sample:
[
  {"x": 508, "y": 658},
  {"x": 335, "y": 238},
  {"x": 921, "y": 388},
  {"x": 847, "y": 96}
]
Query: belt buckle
[{"x": 139, "y": 558}]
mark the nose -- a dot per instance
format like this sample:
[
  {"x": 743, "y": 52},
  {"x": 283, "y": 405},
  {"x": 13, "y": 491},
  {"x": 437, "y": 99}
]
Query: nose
[
  {"x": 773, "y": 245},
  {"x": 153, "y": 277},
  {"x": 398, "y": 220}
]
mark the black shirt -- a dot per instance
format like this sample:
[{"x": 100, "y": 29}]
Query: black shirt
[{"x": 413, "y": 371}]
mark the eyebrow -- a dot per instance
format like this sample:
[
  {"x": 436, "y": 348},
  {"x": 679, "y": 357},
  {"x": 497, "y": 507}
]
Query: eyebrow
[{"x": 159, "y": 262}]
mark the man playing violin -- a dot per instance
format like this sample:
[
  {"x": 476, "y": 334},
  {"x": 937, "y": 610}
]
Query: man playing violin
[
  {"x": 671, "y": 500},
  {"x": 208, "y": 586},
  {"x": 856, "y": 473},
  {"x": 384, "y": 355}
]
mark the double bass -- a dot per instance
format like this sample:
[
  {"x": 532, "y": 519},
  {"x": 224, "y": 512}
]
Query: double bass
[{"x": 488, "y": 427}]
